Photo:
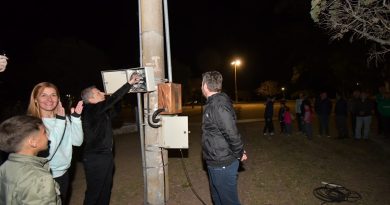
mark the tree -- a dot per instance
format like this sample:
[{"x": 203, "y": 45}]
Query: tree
[
  {"x": 359, "y": 19},
  {"x": 268, "y": 88}
]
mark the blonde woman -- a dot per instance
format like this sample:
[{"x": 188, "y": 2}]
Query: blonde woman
[{"x": 64, "y": 131}]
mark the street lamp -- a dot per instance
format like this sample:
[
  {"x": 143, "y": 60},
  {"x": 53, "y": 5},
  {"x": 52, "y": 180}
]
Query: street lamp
[
  {"x": 283, "y": 88},
  {"x": 236, "y": 63}
]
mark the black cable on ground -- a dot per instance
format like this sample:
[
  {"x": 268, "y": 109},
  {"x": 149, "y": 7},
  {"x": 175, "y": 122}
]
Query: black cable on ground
[
  {"x": 189, "y": 180},
  {"x": 332, "y": 193}
]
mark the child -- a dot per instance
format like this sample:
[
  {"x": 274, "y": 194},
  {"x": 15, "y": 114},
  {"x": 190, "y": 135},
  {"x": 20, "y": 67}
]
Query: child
[
  {"x": 268, "y": 114},
  {"x": 24, "y": 177},
  {"x": 287, "y": 121},
  {"x": 282, "y": 110},
  {"x": 307, "y": 120}
]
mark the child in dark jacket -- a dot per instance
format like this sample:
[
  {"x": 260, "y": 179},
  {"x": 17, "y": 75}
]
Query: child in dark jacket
[
  {"x": 281, "y": 113},
  {"x": 268, "y": 114}
]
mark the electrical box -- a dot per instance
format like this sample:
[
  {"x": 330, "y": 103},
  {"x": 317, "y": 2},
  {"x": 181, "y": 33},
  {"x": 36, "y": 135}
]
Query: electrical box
[
  {"x": 174, "y": 132},
  {"x": 169, "y": 98},
  {"x": 114, "y": 79}
]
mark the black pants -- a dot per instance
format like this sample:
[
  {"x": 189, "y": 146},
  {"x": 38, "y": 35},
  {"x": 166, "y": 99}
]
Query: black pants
[
  {"x": 342, "y": 126},
  {"x": 63, "y": 181},
  {"x": 299, "y": 122},
  {"x": 269, "y": 126},
  {"x": 99, "y": 175}
]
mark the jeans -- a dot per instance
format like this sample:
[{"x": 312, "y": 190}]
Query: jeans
[
  {"x": 269, "y": 126},
  {"x": 308, "y": 130},
  {"x": 288, "y": 128},
  {"x": 223, "y": 184},
  {"x": 364, "y": 122}
]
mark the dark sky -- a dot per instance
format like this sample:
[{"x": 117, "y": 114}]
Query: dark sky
[{"x": 70, "y": 42}]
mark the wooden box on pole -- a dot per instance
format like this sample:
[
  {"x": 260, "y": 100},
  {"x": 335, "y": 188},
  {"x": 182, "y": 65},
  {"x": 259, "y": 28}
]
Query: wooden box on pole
[{"x": 169, "y": 98}]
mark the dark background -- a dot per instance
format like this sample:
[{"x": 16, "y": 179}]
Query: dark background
[{"x": 69, "y": 42}]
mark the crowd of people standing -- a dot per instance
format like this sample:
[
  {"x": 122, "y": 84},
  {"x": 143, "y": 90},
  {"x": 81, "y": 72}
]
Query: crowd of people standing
[{"x": 357, "y": 111}]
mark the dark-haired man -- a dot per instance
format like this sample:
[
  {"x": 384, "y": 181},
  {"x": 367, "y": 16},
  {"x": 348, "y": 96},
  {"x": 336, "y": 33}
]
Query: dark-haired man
[{"x": 221, "y": 142}]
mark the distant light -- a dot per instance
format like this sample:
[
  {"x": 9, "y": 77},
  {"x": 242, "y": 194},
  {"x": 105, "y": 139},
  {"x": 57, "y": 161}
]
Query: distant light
[
  {"x": 283, "y": 88},
  {"x": 357, "y": 83},
  {"x": 236, "y": 62}
]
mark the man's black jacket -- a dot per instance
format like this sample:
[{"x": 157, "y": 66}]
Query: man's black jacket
[
  {"x": 221, "y": 141},
  {"x": 96, "y": 120}
]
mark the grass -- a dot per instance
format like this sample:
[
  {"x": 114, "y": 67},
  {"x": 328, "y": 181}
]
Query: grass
[{"x": 280, "y": 170}]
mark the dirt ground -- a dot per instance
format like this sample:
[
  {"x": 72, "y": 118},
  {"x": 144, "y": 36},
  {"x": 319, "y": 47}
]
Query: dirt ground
[{"x": 280, "y": 170}]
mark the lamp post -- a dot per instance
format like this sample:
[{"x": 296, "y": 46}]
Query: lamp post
[
  {"x": 283, "y": 92},
  {"x": 235, "y": 64}
]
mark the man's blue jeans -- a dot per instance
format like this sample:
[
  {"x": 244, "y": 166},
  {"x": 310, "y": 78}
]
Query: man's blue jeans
[{"x": 223, "y": 184}]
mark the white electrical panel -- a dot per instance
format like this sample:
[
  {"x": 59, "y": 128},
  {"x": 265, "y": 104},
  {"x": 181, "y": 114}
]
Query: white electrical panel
[
  {"x": 114, "y": 79},
  {"x": 174, "y": 132}
]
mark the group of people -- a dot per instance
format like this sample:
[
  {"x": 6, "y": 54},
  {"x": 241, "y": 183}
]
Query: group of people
[
  {"x": 359, "y": 108},
  {"x": 40, "y": 146}
]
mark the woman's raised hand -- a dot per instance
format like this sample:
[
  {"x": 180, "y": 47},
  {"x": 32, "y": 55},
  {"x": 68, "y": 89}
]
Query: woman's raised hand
[
  {"x": 60, "y": 110},
  {"x": 78, "y": 109}
]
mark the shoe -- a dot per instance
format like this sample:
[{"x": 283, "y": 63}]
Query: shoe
[
  {"x": 265, "y": 134},
  {"x": 328, "y": 136},
  {"x": 271, "y": 133}
]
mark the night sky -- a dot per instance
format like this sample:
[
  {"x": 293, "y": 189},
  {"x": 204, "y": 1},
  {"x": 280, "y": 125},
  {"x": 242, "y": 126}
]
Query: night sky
[{"x": 69, "y": 42}]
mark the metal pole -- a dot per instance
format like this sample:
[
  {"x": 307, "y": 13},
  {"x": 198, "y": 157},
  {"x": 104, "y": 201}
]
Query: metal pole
[
  {"x": 235, "y": 81},
  {"x": 141, "y": 113},
  {"x": 167, "y": 40}
]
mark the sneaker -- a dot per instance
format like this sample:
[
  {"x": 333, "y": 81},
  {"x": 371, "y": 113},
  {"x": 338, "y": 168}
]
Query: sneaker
[
  {"x": 271, "y": 133},
  {"x": 265, "y": 134}
]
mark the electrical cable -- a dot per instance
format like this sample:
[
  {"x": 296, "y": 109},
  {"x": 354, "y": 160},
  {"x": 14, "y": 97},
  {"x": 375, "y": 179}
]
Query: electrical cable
[
  {"x": 189, "y": 180},
  {"x": 148, "y": 114},
  {"x": 154, "y": 116},
  {"x": 331, "y": 193}
]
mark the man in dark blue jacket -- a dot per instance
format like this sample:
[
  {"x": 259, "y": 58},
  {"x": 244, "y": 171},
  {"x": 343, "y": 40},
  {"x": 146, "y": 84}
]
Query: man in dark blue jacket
[
  {"x": 221, "y": 142},
  {"x": 98, "y": 137},
  {"x": 341, "y": 111},
  {"x": 323, "y": 107}
]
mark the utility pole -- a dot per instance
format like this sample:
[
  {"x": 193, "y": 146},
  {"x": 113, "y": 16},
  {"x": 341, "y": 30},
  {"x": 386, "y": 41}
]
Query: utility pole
[{"x": 152, "y": 55}]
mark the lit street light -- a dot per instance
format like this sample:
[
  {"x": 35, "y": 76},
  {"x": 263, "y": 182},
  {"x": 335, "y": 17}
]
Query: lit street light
[
  {"x": 283, "y": 88},
  {"x": 236, "y": 63}
]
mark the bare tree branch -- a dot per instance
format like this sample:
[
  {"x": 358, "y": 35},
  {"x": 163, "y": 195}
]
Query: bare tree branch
[{"x": 360, "y": 19}]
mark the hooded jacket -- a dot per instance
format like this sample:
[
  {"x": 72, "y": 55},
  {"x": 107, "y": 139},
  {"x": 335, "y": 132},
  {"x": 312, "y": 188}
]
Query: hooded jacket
[{"x": 221, "y": 141}]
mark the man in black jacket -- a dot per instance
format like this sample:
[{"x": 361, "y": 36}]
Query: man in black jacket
[
  {"x": 98, "y": 137},
  {"x": 221, "y": 142}
]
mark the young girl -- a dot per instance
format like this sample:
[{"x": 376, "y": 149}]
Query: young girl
[{"x": 287, "y": 121}]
